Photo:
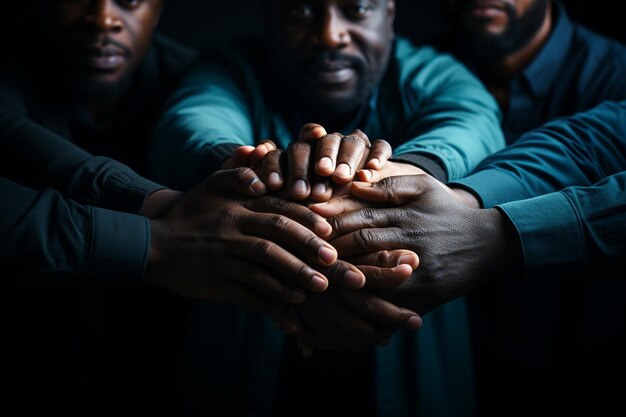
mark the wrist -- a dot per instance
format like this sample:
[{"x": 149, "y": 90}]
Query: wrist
[{"x": 157, "y": 203}]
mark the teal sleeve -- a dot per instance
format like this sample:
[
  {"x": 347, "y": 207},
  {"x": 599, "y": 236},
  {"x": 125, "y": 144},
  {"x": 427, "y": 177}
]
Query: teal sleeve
[
  {"x": 581, "y": 150},
  {"x": 451, "y": 117},
  {"x": 205, "y": 119},
  {"x": 575, "y": 226},
  {"x": 45, "y": 234}
]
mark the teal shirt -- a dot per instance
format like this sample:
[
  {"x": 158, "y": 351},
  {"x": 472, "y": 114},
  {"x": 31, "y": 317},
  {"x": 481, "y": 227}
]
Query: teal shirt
[
  {"x": 571, "y": 175},
  {"x": 430, "y": 108},
  {"x": 427, "y": 105}
]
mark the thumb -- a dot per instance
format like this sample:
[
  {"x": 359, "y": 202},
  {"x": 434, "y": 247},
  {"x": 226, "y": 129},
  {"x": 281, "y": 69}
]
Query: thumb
[
  {"x": 241, "y": 157},
  {"x": 239, "y": 180},
  {"x": 396, "y": 190}
]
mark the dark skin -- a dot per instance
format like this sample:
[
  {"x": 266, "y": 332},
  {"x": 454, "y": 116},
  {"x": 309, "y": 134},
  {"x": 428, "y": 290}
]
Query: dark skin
[
  {"x": 99, "y": 44},
  {"x": 204, "y": 242},
  {"x": 328, "y": 55},
  {"x": 460, "y": 247},
  {"x": 501, "y": 36},
  {"x": 198, "y": 250}
]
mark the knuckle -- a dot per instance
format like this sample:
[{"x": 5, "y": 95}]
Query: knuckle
[
  {"x": 264, "y": 248},
  {"x": 277, "y": 221},
  {"x": 365, "y": 238}
]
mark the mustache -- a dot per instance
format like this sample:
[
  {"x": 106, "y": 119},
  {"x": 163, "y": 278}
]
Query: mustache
[
  {"x": 333, "y": 60},
  {"x": 101, "y": 43}
]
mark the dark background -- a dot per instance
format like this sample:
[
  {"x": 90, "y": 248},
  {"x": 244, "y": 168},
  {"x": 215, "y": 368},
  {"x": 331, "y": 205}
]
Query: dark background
[{"x": 196, "y": 21}]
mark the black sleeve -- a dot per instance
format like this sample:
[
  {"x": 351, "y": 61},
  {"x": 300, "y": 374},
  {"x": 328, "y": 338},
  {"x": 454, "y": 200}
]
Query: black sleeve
[
  {"x": 43, "y": 233},
  {"x": 37, "y": 157}
]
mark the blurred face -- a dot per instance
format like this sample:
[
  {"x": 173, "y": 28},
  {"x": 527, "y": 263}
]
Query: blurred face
[
  {"x": 98, "y": 44},
  {"x": 330, "y": 54},
  {"x": 495, "y": 28}
]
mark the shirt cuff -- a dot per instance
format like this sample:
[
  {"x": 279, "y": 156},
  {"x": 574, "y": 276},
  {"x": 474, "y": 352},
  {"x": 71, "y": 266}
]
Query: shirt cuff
[
  {"x": 549, "y": 230},
  {"x": 215, "y": 157},
  {"x": 493, "y": 187},
  {"x": 120, "y": 245},
  {"x": 428, "y": 163},
  {"x": 125, "y": 191}
]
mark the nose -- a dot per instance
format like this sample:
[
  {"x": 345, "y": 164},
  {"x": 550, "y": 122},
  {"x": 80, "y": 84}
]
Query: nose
[
  {"x": 333, "y": 33},
  {"x": 103, "y": 15}
]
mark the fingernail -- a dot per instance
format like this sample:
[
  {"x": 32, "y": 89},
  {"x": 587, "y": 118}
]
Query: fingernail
[
  {"x": 414, "y": 323},
  {"x": 327, "y": 255},
  {"x": 298, "y": 296},
  {"x": 366, "y": 173},
  {"x": 406, "y": 259},
  {"x": 319, "y": 189},
  {"x": 325, "y": 163},
  {"x": 374, "y": 163},
  {"x": 353, "y": 279},
  {"x": 257, "y": 187},
  {"x": 273, "y": 178},
  {"x": 322, "y": 229},
  {"x": 299, "y": 187},
  {"x": 318, "y": 283},
  {"x": 343, "y": 170}
]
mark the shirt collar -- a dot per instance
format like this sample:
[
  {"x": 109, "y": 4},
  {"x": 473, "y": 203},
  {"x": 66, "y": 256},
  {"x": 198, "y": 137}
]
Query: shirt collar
[{"x": 544, "y": 69}]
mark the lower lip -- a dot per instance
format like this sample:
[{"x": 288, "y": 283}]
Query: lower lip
[
  {"x": 334, "y": 77},
  {"x": 486, "y": 12},
  {"x": 108, "y": 62}
]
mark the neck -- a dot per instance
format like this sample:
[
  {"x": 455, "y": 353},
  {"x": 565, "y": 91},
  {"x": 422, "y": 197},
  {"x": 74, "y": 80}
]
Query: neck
[
  {"x": 497, "y": 74},
  {"x": 103, "y": 112}
]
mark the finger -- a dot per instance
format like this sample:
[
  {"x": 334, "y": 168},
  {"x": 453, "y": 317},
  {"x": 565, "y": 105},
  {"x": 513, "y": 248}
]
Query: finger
[
  {"x": 326, "y": 151},
  {"x": 396, "y": 190},
  {"x": 387, "y": 268},
  {"x": 351, "y": 152},
  {"x": 380, "y": 310},
  {"x": 270, "y": 171},
  {"x": 345, "y": 274},
  {"x": 298, "y": 157},
  {"x": 321, "y": 190},
  {"x": 337, "y": 206},
  {"x": 262, "y": 149},
  {"x": 282, "y": 263},
  {"x": 239, "y": 158},
  {"x": 379, "y": 154},
  {"x": 294, "y": 211},
  {"x": 368, "y": 175},
  {"x": 256, "y": 277},
  {"x": 352, "y": 332},
  {"x": 364, "y": 241},
  {"x": 238, "y": 180},
  {"x": 311, "y": 132}
]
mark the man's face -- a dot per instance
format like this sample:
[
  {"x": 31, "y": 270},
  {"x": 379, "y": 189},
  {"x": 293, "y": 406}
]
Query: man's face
[
  {"x": 98, "y": 44},
  {"x": 329, "y": 54},
  {"x": 495, "y": 28}
]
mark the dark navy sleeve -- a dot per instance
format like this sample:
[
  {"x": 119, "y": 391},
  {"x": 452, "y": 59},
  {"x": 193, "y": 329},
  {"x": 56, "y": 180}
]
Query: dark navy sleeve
[
  {"x": 45, "y": 234},
  {"x": 37, "y": 157},
  {"x": 579, "y": 150}
]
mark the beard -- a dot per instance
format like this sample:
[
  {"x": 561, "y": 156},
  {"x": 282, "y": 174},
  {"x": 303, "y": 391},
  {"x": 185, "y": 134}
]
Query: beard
[{"x": 518, "y": 33}]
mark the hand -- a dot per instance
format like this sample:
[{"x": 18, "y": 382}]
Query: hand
[
  {"x": 347, "y": 320},
  {"x": 211, "y": 244},
  {"x": 459, "y": 247},
  {"x": 345, "y": 202}
]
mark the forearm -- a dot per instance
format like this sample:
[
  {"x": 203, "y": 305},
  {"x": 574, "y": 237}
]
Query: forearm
[
  {"x": 205, "y": 120},
  {"x": 579, "y": 150},
  {"x": 576, "y": 226},
  {"x": 46, "y": 235},
  {"x": 39, "y": 158}
]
